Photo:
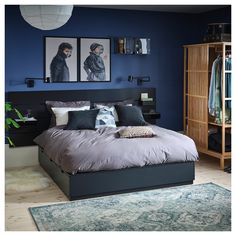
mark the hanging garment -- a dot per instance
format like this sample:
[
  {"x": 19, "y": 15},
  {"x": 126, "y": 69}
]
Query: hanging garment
[
  {"x": 228, "y": 85},
  {"x": 228, "y": 62},
  {"x": 228, "y": 77},
  {"x": 214, "y": 101},
  {"x": 228, "y": 89}
]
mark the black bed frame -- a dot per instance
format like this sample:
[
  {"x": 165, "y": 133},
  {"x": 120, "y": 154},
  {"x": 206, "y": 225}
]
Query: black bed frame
[
  {"x": 91, "y": 184},
  {"x": 100, "y": 183}
]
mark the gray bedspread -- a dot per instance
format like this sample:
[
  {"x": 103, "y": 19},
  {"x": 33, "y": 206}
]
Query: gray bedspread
[{"x": 101, "y": 149}]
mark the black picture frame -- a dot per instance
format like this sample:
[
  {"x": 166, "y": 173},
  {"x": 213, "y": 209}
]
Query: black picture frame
[
  {"x": 58, "y": 68},
  {"x": 95, "y": 59}
]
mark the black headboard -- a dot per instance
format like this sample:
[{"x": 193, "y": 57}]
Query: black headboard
[{"x": 35, "y": 100}]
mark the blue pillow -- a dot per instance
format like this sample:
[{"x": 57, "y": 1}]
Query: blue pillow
[{"x": 105, "y": 118}]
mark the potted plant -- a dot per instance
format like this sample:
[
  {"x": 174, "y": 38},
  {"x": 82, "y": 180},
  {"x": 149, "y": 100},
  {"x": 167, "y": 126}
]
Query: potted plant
[{"x": 10, "y": 122}]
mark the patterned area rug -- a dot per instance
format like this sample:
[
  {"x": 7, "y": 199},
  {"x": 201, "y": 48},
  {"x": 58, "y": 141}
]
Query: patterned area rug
[{"x": 203, "y": 207}]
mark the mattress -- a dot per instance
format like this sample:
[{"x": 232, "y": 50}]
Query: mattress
[{"x": 102, "y": 149}]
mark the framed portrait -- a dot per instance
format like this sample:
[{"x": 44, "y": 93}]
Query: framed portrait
[
  {"x": 95, "y": 60},
  {"x": 60, "y": 59}
]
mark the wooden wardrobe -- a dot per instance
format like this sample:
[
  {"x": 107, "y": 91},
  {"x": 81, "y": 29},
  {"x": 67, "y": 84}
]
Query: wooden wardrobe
[{"x": 198, "y": 60}]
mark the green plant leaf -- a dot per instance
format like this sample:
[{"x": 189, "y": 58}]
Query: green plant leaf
[
  {"x": 8, "y": 107},
  {"x": 10, "y": 142},
  {"x": 10, "y": 122},
  {"x": 19, "y": 115}
]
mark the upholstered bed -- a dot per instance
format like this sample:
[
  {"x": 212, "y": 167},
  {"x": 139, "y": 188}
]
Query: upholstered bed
[{"x": 88, "y": 163}]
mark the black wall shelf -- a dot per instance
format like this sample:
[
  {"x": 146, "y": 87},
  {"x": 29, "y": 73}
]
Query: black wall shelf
[{"x": 131, "y": 46}]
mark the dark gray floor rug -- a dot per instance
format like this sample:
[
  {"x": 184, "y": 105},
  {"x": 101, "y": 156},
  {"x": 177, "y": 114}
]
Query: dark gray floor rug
[{"x": 203, "y": 207}]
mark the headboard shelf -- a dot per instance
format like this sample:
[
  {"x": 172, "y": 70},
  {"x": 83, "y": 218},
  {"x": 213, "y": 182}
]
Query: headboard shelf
[{"x": 35, "y": 101}]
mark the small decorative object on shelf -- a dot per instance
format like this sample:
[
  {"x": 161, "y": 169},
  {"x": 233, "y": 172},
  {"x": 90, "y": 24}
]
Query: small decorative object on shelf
[
  {"x": 144, "y": 96},
  {"x": 146, "y": 99},
  {"x": 131, "y": 46},
  {"x": 30, "y": 82},
  {"x": 28, "y": 117},
  {"x": 121, "y": 45}
]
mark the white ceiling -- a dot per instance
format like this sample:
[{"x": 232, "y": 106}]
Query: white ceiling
[{"x": 164, "y": 8}]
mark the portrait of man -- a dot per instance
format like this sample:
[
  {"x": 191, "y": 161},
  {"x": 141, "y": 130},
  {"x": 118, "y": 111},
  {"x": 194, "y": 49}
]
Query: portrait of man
[
  {"x": 59, "y": 70},
  {"x": 61, "y": 59},
  {"x": 95, "y": 60},
  {"x": 94, "y": 64}
]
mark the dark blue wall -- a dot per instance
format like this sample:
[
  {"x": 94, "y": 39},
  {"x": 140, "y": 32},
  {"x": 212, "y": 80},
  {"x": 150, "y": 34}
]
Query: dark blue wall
[
  {"x": 222, "y": 15},
  {"x": 168, "y": 32}
]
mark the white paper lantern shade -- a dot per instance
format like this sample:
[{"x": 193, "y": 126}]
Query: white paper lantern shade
[{"x": 46, "y": 17}]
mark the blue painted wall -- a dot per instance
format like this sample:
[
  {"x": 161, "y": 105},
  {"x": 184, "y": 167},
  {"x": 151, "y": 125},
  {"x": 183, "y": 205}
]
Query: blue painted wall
[
  {"x": 168, "y": 32},
  {"x": 222, "y": 15}
]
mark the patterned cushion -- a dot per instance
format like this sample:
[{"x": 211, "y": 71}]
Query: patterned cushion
[
  {"x": 112, "y": 105},
  {"x": 105, "y": 118},
  {"x": 137, "y": 132}
]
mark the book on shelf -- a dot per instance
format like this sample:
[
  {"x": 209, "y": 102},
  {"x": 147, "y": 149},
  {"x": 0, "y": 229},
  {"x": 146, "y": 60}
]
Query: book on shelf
[
  {"x": 129, "y": 46},
  {"x": 121, "y": 45}
]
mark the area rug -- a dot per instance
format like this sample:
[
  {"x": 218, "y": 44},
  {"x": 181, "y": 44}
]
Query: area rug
[
  {"x": 18, "y": 180},
  {"x": 203, "y": 207}
]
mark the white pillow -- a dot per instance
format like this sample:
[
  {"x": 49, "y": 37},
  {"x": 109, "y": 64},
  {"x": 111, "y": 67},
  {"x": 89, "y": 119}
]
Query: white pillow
[
  {"x": 61, "y": 113},
  {"x": 112, "y": 109}
]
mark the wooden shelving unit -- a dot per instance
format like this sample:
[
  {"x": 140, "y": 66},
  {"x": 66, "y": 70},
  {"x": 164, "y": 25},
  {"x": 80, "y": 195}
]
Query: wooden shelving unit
[{"x": 198, "y": 60}]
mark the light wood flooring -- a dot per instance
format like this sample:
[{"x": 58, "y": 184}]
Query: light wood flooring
[{"x": 18, "y": 218}]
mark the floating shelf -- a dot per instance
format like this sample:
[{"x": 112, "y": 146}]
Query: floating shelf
[
  {"x": 226, "y": 125},
  {"x": 132, "y": 46}
]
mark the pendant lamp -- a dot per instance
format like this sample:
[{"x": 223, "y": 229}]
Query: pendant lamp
[{"x": 46, "y": 17}]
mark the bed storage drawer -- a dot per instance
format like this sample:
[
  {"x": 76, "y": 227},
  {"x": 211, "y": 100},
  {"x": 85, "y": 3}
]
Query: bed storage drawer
[{"x": 92, "y": 184}]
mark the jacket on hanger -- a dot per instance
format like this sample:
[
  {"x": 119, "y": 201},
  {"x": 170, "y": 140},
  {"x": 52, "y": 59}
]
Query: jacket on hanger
[
  {"x": 214, "y": 101},
  {"x": 228, "y": 78}
]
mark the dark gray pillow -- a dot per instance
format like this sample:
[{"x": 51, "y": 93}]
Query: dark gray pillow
[
  {"x": 50, "y": 104},
  {"x": 130, "y": 116},
  {"x": 81, "y": 120}
]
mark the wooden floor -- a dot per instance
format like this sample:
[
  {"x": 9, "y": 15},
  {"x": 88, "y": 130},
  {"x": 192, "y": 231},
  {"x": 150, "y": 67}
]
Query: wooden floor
[{"x": 18, "y": 218}]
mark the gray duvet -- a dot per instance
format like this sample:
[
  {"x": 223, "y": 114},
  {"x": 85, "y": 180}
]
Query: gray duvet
[{"x": 101, "y": 149}]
